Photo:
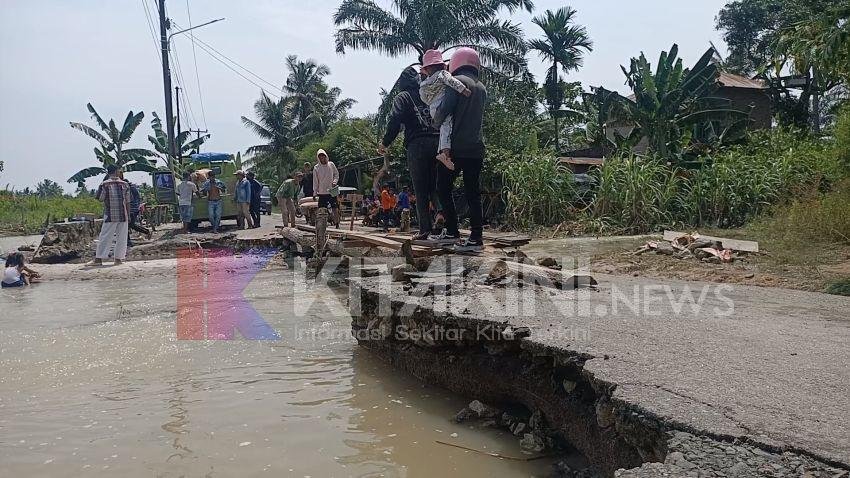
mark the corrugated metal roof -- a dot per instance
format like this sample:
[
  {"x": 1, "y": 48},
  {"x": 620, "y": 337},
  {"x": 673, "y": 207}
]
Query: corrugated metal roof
[{"x": 730, "y": 80}]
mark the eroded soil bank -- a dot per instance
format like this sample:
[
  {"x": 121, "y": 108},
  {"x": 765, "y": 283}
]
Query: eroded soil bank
[{"x": 638, "y": 392}]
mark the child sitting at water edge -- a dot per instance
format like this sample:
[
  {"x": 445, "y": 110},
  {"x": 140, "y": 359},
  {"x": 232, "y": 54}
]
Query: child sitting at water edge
[
  {"x": 432, "y": 90},
  {"x": 17, "y": 274}
]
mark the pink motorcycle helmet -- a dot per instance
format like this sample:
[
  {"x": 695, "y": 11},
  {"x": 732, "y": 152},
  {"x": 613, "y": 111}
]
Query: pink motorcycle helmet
[
  {"x": 464, "y": 56},
  {"x": 432, "y": 57}
]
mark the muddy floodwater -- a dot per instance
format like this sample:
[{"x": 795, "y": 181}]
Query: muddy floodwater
[{"x": 94, "y": 382}]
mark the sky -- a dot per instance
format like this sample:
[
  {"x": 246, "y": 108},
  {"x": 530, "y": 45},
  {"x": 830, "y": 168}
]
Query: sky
[{"x": 56, "y": 56}]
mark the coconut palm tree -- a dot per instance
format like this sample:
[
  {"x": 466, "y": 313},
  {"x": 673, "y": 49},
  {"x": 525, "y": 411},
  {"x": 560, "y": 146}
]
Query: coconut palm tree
[
  {"x": 277, "y": 124},
  {"x": 309, "y": 95},
  {"x": 184, "y": 145},
  {"x": 420, "y": 25},
  {"x": 112, "y": 143},
  {"x": 564, "y": 46}
]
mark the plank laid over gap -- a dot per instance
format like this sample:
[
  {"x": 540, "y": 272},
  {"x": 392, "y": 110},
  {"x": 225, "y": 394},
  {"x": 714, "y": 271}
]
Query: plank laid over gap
[
  {"x": 738, "y": 245},
  {"x": 372, "y": 239}
]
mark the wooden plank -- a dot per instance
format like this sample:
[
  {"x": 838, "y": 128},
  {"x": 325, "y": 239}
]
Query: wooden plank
[
  {"x": 735, "y": 244},
  {"x": 373, "y": 239}
]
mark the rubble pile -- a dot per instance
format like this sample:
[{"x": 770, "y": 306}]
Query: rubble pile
[{"x": 695, "y": 246}]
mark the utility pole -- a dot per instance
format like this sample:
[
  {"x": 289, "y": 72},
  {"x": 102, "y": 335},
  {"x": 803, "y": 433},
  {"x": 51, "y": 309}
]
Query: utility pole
[
  {"x": 199, "y": 131},
  {"x": 166, "y": 78},
  {"x": 177, "y": 103}
]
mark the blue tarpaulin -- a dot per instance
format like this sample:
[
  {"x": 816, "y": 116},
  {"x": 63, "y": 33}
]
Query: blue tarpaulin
[{"x": 205, "y": 157}]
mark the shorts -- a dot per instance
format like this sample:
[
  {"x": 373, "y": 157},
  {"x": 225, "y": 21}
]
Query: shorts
[
  {"x": 19, "y": 283},
  {"x": 326, "y": 200},
  {"x": 186, "y": 213}
]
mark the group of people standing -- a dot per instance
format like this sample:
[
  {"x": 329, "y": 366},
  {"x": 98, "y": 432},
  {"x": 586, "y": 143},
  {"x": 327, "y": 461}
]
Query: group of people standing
[
  {"x": 439, "y": 107},
  {"x": 248, "y": 199},
  {"x": 442, "y": 112}
]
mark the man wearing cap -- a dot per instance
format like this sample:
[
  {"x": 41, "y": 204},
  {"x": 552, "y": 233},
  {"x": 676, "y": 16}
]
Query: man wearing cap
[
  {"x": 467, "y": 146},
  {"x": 420, "y": 144},
  {"x": 243, "y": 201},
  {"x": 325, "y": 181}
]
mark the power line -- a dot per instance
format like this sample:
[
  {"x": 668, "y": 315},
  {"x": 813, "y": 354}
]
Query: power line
[
  {"x": 195, "y": 58},
  {"x": 234, "y": 70},
  {"x": 210, "y": 47},
  {"x": 151, "y": 29},
  {"x": 187, "y": 105}
]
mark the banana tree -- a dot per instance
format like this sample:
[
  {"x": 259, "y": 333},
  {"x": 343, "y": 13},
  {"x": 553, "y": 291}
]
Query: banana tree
[
  {"x": 111, "y": 146},
  {"x": 673, "y": 104},
  {"x": 184, "y": 147}
]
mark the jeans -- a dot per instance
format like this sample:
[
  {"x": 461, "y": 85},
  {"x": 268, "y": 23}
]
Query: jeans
[
  {"x": 422, "y": 163},
  {"x": 214, "y": 211},
  {"x": 471, "y": 168}
]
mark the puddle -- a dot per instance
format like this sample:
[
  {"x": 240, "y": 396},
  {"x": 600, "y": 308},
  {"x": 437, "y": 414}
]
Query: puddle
[{"x": 95, "y": 382}]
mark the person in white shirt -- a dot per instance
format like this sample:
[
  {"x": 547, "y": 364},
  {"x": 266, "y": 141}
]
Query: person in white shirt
[
  {"x": 325, "y": 182},
  {"x": 186, "y": 191}
]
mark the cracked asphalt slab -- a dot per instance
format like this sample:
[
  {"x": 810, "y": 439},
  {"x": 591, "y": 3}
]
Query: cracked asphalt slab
[{"x": 762, "y": 365}]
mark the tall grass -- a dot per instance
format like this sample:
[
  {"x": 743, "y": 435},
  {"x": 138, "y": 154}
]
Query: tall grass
[
  {"x": 537, "y": 192},
  {"x": 20, "y": 214},
  {"x": 636, "y": 194}
]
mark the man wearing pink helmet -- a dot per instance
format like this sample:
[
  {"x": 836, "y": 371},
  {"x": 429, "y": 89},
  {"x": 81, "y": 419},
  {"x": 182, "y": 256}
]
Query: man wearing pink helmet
[{"x": 467, "y": 142}]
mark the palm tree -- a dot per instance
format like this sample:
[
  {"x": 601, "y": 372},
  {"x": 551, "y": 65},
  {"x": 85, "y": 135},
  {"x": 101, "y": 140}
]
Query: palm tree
[
  {"x": 310, "y": 97},
  {"x": 184, "y": 146},
  {"x": 564, "y": 47},
  {"x": 111, "y": 149},
  {"x": 277, "y": 124},
  {"x": 303, "y": 82},
  {"x": 420, "y": 25}
]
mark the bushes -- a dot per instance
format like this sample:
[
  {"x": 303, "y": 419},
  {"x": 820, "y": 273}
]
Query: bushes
[
  {"x": 821, "y": 218},
  {"x": 26, "y": 214}
]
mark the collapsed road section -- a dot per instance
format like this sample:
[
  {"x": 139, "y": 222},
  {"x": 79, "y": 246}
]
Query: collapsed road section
[{"x": 644, "y": 379}]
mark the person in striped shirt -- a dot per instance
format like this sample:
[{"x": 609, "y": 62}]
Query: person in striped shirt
[{"x": 115, "y": 195}]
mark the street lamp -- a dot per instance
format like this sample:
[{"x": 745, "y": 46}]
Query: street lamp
[{"x": 165, "y": 40}]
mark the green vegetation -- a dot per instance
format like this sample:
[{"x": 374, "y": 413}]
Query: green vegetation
[
  {"x": 839, "y": 287},
  {"x": 537, "y": 192},
  {"x": 112, "y": 149},
  {"x": 425, "y": 25},
  {"x": 563, "y": 46},
  {"x": 27, "y": 214},
  {"x": 308, "y": 110},
  {"x": 183, "y": 143}
]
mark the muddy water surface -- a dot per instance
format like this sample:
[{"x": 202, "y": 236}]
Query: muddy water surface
[{"x": 93, "y": 381}]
